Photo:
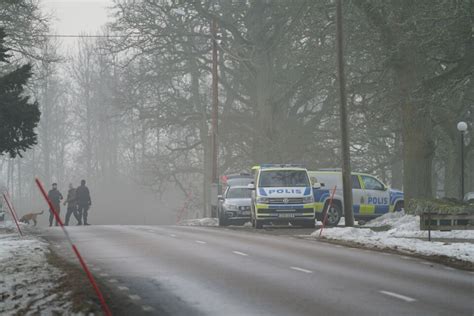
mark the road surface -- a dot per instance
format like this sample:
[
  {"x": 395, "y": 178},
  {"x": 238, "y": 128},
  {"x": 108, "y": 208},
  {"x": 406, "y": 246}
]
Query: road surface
[{"x": 183, "y": 270}]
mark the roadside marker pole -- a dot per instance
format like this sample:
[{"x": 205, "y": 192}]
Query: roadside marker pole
[
  {"x": 185, "y": 205},
  {"x": 105, "y": 307},
  {"x": 10, "y": 207},
  {"x": 11, "y": 204},
  {"x": 329, "y": 207}
]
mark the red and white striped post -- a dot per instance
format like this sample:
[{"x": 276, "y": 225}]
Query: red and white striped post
[
  {"x": 105, "y": 307},
  {"x": 12, "y": 211},
  {"x": 329, "y": 207},
  {"x": 180, "y": 214}
]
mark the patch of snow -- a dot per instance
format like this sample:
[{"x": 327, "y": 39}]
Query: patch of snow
[
  {"x": 27, "y": 278},
  {"x": 404, "y": 225},
  {"x": 404, "y": 234},
  {"x": 387, "y": 219},
  {"x": 200, "y": 222}
]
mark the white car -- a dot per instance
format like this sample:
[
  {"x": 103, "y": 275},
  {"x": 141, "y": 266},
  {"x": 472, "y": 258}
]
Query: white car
[{"x": 469, "y": 197}]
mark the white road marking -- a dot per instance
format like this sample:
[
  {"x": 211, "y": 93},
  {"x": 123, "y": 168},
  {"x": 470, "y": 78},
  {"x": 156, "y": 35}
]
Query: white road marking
[
  {"x": 301, "y": 270},
  {"x": 406, "y": 258},
  {"x": 172, "y": 235},
  {"x": 113, "y": 281},
  {"x": 399, "y": 296},
  {"x": 427, "y": 263},
  {"x": 449, "y": 268},
  {"x": 123, "y": 288},
  {"x": 147, "y": 308},
  {"x": 201, "y": 242},
  {"x": 135, "y": 297},
  {"x": 240, "y": 253}
]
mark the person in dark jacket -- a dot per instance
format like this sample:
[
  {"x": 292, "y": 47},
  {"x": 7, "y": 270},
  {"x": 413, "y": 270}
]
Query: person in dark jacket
[
  {"x": 83, "y": 199},
  {"x": 55, "y": 197},
  {"x": 71, "y": 204}
]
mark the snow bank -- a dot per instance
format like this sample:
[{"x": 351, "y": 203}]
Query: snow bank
[
  {"x": 403, "y": 225},
  {"x": 386, "y": 219},
  {"x": 28, "y": 280},
  {"x": 404, "y": 234},
  {"x": 200, "y": 222}
]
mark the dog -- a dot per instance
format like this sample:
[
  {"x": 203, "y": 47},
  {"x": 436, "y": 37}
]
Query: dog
[{"x": 30, "y": 217}]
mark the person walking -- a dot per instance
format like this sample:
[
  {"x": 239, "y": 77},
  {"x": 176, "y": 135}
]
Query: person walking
[
  {"x": 55, "y": 197},
  {"x": 83, "y": 199},
  {"x": 71, "y": 204}
]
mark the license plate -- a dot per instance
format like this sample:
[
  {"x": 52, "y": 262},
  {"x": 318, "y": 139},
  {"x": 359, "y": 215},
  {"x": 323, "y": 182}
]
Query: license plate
[
  {"x": 245, "y": 212},
  {"x": 286, "y": 215}
]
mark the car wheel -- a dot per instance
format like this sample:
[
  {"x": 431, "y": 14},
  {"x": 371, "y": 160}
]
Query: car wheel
[
  {"x": 399, "y": 206},
  {"x": 334, "y": 215}
]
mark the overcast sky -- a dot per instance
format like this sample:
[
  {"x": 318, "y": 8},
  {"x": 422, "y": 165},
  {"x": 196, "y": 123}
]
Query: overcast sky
[{"x": 76, "y": 16}]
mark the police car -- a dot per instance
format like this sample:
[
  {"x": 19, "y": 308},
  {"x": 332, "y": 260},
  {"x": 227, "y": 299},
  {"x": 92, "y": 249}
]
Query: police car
[
  {"x": 371, "y": 197},
  {"x": 282, "y": 194}
]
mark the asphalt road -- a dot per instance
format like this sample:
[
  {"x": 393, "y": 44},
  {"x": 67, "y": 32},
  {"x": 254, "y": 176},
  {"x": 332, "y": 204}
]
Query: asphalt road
[{"x": 180, "y": 270}]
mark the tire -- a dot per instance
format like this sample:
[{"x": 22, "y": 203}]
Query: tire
[
  {"x": 399, "y": 206},
  {"x": 334, "y": 215}
]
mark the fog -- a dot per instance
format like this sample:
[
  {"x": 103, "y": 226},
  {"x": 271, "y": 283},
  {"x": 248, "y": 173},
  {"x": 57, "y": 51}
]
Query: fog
[{"x": 129, "y": 107}]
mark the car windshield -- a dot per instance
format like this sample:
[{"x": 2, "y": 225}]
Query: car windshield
[
  {"x": 238, "y": 193},
  {"x": 238, "y": 181},
  {"x": 284, "y": 178}
]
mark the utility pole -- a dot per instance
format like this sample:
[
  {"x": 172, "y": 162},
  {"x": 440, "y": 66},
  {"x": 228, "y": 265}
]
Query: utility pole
[
  {"x": 215, "y": 113},
  {"x": 346, "y": 159}
]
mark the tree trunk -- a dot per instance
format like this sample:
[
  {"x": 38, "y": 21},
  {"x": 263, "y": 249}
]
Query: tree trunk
[
  {"x": 397, "y": 164},
  {"x": 418, "y": 145}
]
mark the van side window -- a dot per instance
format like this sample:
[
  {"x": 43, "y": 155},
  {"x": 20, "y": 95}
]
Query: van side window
[
  {"x": 372, "y": 184},
  {"x": 355, "y": 182}
]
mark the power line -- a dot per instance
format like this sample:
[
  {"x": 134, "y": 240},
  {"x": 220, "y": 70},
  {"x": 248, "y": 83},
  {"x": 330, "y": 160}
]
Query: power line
[{"x": 85, "y": 36}]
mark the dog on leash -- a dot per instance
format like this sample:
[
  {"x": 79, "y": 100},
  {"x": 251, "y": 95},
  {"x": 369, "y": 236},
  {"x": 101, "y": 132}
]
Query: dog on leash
[{"x": 30, "y": 217}]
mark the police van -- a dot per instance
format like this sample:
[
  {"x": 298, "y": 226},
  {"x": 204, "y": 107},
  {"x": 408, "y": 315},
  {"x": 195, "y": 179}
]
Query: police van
[
  {"x": 370, "y": 196},
  {"x": 282, "y": 194}
]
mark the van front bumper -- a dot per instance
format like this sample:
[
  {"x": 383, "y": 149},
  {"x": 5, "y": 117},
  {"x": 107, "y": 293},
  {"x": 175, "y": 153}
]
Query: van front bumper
[{"x": 285, "y": 212}]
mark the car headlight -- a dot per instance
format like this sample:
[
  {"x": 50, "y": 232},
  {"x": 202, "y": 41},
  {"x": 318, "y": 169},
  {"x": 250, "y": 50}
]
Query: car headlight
[
  {"x": 231, "y": 207},
  {"x": 308, "y": 199},
  {"x": 262, "y": 200}
]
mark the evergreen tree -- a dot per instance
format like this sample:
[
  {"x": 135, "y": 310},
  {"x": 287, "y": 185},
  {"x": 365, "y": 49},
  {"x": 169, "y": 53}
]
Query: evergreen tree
[{"x": 18, "y": 116}]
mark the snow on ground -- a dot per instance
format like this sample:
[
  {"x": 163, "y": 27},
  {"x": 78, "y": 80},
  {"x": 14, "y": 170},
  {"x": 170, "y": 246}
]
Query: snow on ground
[
  {"x": 200, "y": 222},
  {"x": 404, "y": 225},
  {"x": 404, "y": 234},
  {"x": 28, "y": 281}
]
